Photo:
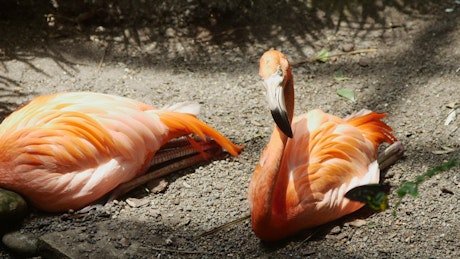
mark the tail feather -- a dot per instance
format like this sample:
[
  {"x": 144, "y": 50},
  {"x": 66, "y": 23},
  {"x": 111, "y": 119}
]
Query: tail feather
[
  {"x": 181, "y": 124},
  {"x": 373, "y": 127}
]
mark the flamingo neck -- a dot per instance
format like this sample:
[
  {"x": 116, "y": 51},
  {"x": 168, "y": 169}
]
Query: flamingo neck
[
  {"x": 273, "y": 163},
  {"x": 264, "y": 192},
  {"x": 264, "y": 183}
]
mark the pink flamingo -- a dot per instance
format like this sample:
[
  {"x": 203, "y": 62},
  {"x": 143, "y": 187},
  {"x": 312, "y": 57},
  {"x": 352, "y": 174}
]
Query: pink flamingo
[
  {"x": 65, "y": 151},
  {"x": 311, "y": 161}
]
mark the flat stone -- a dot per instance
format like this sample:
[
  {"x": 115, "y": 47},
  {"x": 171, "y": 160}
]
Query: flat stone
[
  {"x": 135, "y": 203},
  {"x": 108, "y": 239},
  {"x": 335, "y": 230},
  {"x": 20, "y": 243},
  {"x": 358, "y": 223}
]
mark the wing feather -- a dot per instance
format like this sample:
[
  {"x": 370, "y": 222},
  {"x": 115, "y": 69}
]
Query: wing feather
[{"x": 329, "y": 156}]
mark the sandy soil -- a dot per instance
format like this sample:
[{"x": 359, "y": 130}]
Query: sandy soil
[{"x": 198, "y": 54}]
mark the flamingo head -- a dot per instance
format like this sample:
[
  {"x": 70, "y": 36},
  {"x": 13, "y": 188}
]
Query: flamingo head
[{"x": 276, "y": 73}]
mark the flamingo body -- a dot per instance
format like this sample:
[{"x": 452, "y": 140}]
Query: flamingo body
[
  {"x": 300, "y": 182},
  {"x": 64, "y": 151}
]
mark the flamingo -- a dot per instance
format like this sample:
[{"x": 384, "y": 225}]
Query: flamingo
[
  {"x": 65, "y": 151},
  {"x": 311, "y": 161}
]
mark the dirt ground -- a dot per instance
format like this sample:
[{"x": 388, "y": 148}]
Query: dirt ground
[{"x": 210, "y": 56}]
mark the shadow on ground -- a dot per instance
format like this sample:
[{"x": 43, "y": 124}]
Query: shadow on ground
[
  {"x": 192, "y": 31},
  {"x": 200, "y": 32}
]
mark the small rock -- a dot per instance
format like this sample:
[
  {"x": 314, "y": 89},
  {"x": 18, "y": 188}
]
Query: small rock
[
  {"x": 358, "y": 223},
  {"x": 347, "y": 47},
  {"x": 184, "y": 222},
  {"x": 124, "y": 242},
  {"x": 170, "y": 32},
  {"x": 364, "y": 62},
  {"x": 20, "y": 243},
  {"x": 335, "y": 230},
  {"x": 341, "y": 236},
  {"x": 100, "y": 29},
  {"x": 186, "y": 185},
  {"x": 135, "y": 203},
  {"x": 157, "y": 185},
  {"x": 13, "y": 208}
]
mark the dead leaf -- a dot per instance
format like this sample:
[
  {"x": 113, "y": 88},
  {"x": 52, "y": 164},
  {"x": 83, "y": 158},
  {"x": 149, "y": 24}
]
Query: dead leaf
[
  {"x": 453, "y": 105},
  {"x": 451, "y": 117},
  {"x": 445, "y": 150}
]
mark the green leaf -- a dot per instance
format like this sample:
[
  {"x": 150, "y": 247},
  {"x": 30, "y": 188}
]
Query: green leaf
[
  {"x": 338, "y": 75},
  {"x": 411, "y": 187},
  {"x": 322, "y": 56},
  {"x": 347, "y": 93},
  {"x": 408, "y": 188}
]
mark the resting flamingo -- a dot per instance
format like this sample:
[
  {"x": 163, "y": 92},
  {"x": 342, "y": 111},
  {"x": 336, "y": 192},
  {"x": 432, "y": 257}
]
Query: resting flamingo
[
  {"x": 65, "y": 151},
  {"x": 311, "y": 161}
]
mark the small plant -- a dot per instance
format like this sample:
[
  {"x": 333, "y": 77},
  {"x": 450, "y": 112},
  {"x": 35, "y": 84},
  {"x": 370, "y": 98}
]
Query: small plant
[
  {"x": 411, "y": 187},
  {"x": 375, "y": 197},
  {"x": 322, "y": 56}
]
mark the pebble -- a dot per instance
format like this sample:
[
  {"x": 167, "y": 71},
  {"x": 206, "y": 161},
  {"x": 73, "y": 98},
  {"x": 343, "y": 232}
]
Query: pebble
[
  {"x": 20, "y": 243},
  {"x": 341, "y": 236},
  {"x": 13, "y": 208},
  {"x": 364, "y": 62},
  {"x": 170, "y": 32},
  {"x": 186, "y": 185},
  {"x": 358, "y": 223},
  {"x": 347, "y": 47},
  {"x": 124, "y": 242},
  {"x": 157, "y": 185},
  {"x": 135, "y": 203},
  {"x": 335, "y": 230}
]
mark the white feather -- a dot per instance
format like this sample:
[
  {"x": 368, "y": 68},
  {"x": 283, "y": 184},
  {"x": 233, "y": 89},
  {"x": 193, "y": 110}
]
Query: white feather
[{"x": 184, "y": 107}]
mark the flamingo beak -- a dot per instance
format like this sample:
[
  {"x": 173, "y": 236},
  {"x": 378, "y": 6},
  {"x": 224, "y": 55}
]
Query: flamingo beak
[{"x": 276, "y": 101}]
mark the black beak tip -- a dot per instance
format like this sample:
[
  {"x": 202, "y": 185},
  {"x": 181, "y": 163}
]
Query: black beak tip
[
  {"x": 282, "y": 121},
  {"x": 288, "y": 132}
]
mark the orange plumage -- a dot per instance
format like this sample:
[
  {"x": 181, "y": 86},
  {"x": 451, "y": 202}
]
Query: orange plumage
[
  {"x": 300, "y": 182},
  {"x": 64, "y": 151}
]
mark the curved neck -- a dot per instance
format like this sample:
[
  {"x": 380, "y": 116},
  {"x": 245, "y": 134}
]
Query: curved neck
[
  {"x": 263, "y": 184},
  {"x": 266, "y": 174},
  {"x": 267, "y": 177}
]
